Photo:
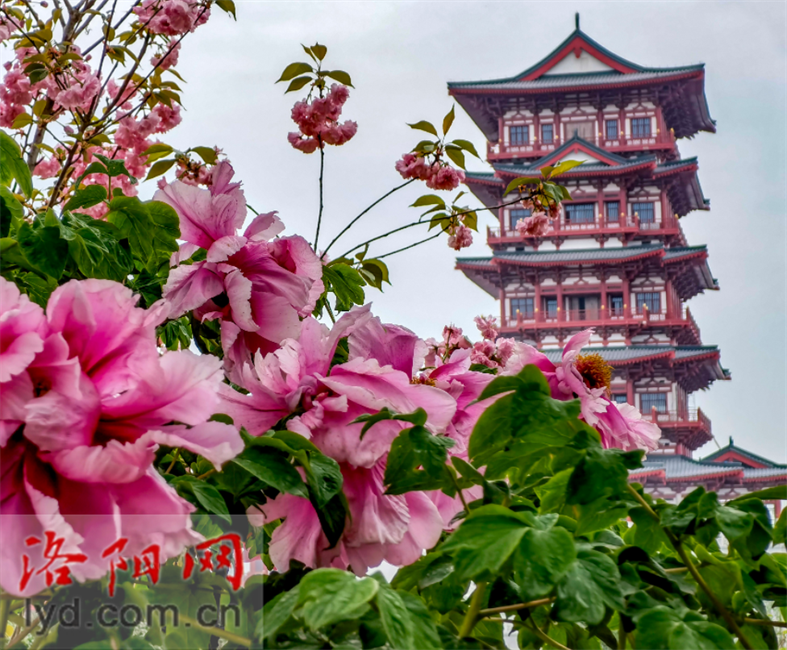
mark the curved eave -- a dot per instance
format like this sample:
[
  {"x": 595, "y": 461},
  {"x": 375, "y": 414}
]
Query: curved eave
[
  {"x": 481, "y": 274},
  {"x": 578, "y": 172},
  {"x": 684, "y": 189},
  {"x": 504, "y": 261},
  {"x": 487, "y": 188}
]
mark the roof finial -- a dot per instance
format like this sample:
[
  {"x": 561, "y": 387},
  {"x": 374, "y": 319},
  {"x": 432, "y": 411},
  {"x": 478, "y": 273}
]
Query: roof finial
[
  {"x": 576, "y": 20},
  {"x": 731, "y": 443}
]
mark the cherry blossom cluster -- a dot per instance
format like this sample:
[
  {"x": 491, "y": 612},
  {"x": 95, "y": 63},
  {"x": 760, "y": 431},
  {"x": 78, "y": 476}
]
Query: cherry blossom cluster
[
  {"x": 437, "y": 174},
  {"x": 539, "y": 223},
  {"x": 172, "y": 17},
  {"x": 87, "y": 400},
  {"x": 318, "y": 121}
]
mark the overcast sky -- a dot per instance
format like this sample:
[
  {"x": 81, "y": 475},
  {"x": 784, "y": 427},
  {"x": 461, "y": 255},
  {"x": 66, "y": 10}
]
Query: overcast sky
[{"x": 400, "y": 56}]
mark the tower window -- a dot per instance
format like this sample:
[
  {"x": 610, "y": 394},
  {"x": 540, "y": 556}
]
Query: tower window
[
  {"x": 616, "y": 304},
  {"x": 640, "y": 127},
  {"x": 649, "y": 401},
  {"x": 517, "y": 214},
  {"x": 613, "y": 210},
  {"x": 550, "y": 307},
  {"x": 519, "y": 134},
  {"x": 645, "y": 212},
  {"x": 522, "y": 306},
  {"x": 619, "y": 398},
  {"x": 612, "y": 129},
  {"x": 651, "y": 301},
  {"x": 580, "y": 212},
  {"x": 547, "y": 133}
]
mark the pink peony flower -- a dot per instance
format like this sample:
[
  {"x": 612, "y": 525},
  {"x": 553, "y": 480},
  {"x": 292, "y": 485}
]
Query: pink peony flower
[
  {"x": 258, "y": 289},
  {"x": 536, "y": 225},
  {"x": 86, "y": 414},
  {"x": 587, "y": 377}
]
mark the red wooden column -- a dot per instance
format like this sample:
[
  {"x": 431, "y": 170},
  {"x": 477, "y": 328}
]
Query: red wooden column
[
  {"x": 623, "y": 209},
  {"x": 560, "y": 310},
  {"x": 502, "y": 296},
  {"x": 604, "y": 306},
  {"x": 537, "y": 306},
  {"x": 536, "y": 128},
  {"x": 630, "y": 391},
  {"x": 666, "y": 215},
  {"x": 557, "y": 136},
  {"x": 626, "y": 298}
]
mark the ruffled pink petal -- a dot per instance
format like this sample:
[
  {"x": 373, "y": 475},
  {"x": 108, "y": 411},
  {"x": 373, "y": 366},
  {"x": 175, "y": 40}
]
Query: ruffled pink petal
[
  {"x": 115, "y": 462},
  {"x": 376, "y": 518},
  {"x": 239, "y": 293},
  {"x": 264, "y": 227},
  {"x": 216, "y": 441},
  {"x": 300, "y": 537},
  {"x": 15, "y": 394},
  {"x": 390, "y": 345},
  {"x": 190, "y": 286},
  {"x": 224, "y": 247},
  {"x": 19, "y": 354}
]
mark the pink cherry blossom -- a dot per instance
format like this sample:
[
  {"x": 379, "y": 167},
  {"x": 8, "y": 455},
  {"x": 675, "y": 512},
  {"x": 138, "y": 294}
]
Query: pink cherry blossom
[
  {"x": 172, "y": 17},
  {"x": 48, "y": 167},
  {"x": 168, "y": 57},
  {"x": 536, "y": 225},
  {"x": 487, "y": 325},
  {"x": 462, "y": 237},
  {"x": 318, "y": 121},
  {"x": 445, "y": 177},
  {"x": 86, "y": 415}
]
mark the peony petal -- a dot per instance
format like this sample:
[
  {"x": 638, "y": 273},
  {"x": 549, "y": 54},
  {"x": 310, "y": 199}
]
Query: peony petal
[
  {"x": 216, "y": 441},
  {"x": 190, "y": 286}
]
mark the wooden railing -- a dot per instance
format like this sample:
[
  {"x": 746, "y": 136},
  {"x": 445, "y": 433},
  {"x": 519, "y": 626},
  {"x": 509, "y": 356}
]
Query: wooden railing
[
  {"x": 675, "y": 418},
  {"x": 600, "y": 224},
  {"x": 663, "y": 140}
]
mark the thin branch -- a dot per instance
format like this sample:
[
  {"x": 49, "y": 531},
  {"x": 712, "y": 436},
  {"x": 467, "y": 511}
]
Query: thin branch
[
  {"x": 322, "y": 169},
  {"x": 545, "y": 637},
  {"x": 764, "y": 622},
  {"x": 418, "y": 243},
  {"x": 383, "y": 236},
  {"x": 352, "y": 223},
  {"x": 518, "y": 606}
]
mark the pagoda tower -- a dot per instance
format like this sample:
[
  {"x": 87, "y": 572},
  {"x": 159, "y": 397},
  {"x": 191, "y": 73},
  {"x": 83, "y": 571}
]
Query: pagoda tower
[{"x": 616, "y": 259}]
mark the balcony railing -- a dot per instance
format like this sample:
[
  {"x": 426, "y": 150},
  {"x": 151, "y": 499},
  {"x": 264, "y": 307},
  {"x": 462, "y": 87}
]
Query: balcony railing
[
  {"x": 689, "y": 417},
  {"x": 562, "y": 226},
  {"x": 597, "y": 316},
  {"x": 662, "y": 140}
]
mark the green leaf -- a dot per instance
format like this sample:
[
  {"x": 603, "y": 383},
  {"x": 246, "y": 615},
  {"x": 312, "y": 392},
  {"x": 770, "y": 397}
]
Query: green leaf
[
  {"x": 297, "y": 84},
  {"x": 412, "y": 449},
  {"x": 591, "y": 582},
  {"x": 324, "y": 477},
  {"x": 12, "y": 167},
  {"x": 519, "y": 182},
  {"x": 11, "y": 211},
  {"x": 87, "y": 197},
  {"x": 467, "y": 146},
  {"x": 768, "y": 494},
  {"x": 456, "y": 156},
  {"x": 425, "y": 635},
  {"x": 319, "y": 51},
  {"x": 328, "y": 596},
  {"x": 272, "y": 468},
  {"x": 662, "y": 628},
  {"x": 92, "y": 168},
  {"x": 395, "y": 618},
  {"x": 423, "y": 125},
  {"x": 44, "y": 248},
  {"x": 543, "y": 558},
  {"x": 208, "y": 154},
  {"x": 293, "y": 70},
  {"x": 602, "y": 472},
  {"x": 206, "y": 495},
  {"x": 448, "y": 120},
  {"x": 115, "y": 167},
  {"x": 227, "y": 6},
  {"x": 95, "y": 246},
  {"x": 341, "y": 76},
  {"x": 159, "y": 168},
  {"x": 484, "y": 541},
  {"x": 157, "y": 150},
  {"x": 22, "y": 120},
  {"x": 428, "y": 199},
  {"x": 346, "y": 284},
  {"x": 276, "y": 612},
  {"x": 563, "y": 167}
]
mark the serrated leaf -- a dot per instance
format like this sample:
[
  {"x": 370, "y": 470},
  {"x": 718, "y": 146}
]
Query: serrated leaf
[
  {"x": 319, "y": 51},
  {"x": 328, "y": 596},
  {"x": 87, "y": 197},
  {"x": 12, "y": 167},
  {"x": 22, "y": 120},
  {"x": 43, "y": 248},
  {"x": 228, "y": 6},
  {"x": 293, "y": 70},
  {"x": 563, "y": 167},
  {"x": 208, "y": 154},
  {"x": 207, "y": 496},
  {"x": 428, "y": 199},
  {"x": 159, "y": 168},
  {"x": 519, "y": 182}
]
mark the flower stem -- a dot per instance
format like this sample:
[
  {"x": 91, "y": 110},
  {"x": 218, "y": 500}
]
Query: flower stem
[
  {"x": 319, "y": 216},
  {"x": 352, "y": 223},
  {"x": 762, "y": 621},
  {"x": 5, "y": 607},
  {"x": 216, "y": 631},
  {"x": 676, "y": 543},
  {"x": 472, "y": 613},
  {"x": 546, "y": 638},
  {"x": 513, "y": 608},
  {"x": 175, "y": 455}
]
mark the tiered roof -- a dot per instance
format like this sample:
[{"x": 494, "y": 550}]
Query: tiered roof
[
  {"x": 685, "y": 106},
  {"x": 749, "y": 469},
  {"x": 685, "y": 193},
  {"x": 693, "y": 274}
]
